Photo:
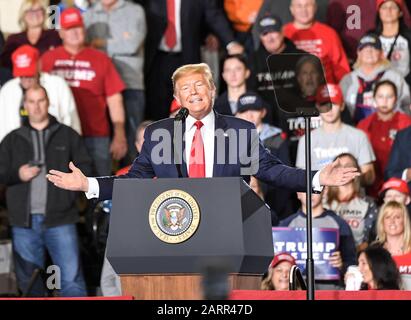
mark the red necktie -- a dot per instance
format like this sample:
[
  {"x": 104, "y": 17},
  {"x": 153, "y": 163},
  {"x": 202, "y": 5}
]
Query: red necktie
[
  {"x": 170, "y": 35},
  {"x": 197, "y": 158}
]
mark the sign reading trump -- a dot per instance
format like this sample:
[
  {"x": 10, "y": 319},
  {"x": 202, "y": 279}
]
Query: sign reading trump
[{"x": 325, "y": 242}]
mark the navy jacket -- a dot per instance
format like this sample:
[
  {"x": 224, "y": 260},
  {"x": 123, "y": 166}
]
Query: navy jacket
[
  {"x": 222, "y": 106},
  {"x": 400, "y": 156},
  {"x": 271, "y": 170}
]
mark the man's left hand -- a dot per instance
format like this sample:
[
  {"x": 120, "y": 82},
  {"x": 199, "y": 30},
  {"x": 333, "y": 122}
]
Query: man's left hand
[
  {"x": 118, "y": 146},
  {"x": 335, "y": 175}
]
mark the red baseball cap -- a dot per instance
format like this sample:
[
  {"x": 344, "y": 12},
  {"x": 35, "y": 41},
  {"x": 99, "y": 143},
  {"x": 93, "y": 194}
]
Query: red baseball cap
[
  {"x": 174, "y": 106},
  {"x": 25, "y": 60},
  {"x": 71, "y": 18},
  {"x": 396, "y": 184},
  {"x": 281, "y": 257},
  {"x": 329, "y": 92},
  {"x": 398, "y": 2}
]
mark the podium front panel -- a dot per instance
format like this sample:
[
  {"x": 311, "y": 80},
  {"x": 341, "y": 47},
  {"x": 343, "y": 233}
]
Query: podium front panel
[{"x": 228, "y": 232}]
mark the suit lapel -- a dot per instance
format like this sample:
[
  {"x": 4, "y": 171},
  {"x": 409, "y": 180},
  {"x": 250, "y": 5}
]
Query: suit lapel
[
  {"x": 220, "y": 124},
  {"x": 184, "y": 165}
]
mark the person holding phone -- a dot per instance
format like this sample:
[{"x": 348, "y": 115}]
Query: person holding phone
[{"x": 41, "y": 215}]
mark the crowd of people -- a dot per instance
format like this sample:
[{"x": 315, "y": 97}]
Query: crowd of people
[{"x": 83, "y": 85}]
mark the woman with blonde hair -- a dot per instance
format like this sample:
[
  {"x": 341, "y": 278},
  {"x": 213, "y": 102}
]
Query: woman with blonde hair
[
  {"x": 370, "y": 68},
  {"x": 278, "y": 275},
  {"x": 394, "y": 234},
  {"x": 33, "y": 21}
]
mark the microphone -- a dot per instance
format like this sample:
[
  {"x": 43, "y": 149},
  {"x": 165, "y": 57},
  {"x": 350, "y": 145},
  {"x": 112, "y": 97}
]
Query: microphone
[
  {"x": 182, "y": 114},
  {"x": 179, "y": 119}
]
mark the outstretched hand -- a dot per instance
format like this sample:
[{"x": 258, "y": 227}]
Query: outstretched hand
[
  {"x": 74, "y": 181},
  {"x": 335, "y": 175}
]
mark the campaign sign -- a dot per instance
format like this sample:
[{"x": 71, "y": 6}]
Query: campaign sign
[{"x": 325, "y": 242}]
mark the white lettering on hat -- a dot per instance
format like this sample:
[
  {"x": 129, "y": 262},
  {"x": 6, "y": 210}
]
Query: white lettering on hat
[
  {"x": 329, "y": 91},
  {"x": 393, "y": 184},
  {"x": 248, "y": 100},
  {"x": 368, "y": 39},
  {"x": 332, "y": 91},
  {"x": 72, "y": 17},
  {"x": 268, "y": 22},
  {"x": 23, "y": 61},
  {"x": 286, "y": 257}
]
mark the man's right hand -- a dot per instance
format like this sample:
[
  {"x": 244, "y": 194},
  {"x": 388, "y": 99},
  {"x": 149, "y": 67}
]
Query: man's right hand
[
  {"x": 74, "y": 181},
  {"x": 27, "y": 172}
]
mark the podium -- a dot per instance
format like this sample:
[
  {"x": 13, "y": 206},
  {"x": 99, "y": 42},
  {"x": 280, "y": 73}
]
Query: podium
[{"x": 164, "y": 232}]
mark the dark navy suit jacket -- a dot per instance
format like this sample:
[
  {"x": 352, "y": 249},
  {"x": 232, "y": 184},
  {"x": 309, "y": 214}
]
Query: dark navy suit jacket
[
  {"x": 271, "y": 170},
  {"x": 400, "y": 156}
]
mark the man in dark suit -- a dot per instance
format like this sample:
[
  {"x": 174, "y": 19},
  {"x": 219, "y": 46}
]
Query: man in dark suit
[
  {"x": 216, "y": 146},
  {"x": 174, "y": 38}
]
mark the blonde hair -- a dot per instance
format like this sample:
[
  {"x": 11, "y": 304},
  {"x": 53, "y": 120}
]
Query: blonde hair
[
  {"x": 384, "y": 211},
  {"x": 26, "y": 5},
  {"x": 266, "y": 283},
  {"x": 382, "y": 62},
  {"x": 199, "y": 68}
]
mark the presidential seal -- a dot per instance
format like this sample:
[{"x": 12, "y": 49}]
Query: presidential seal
[{"x": 174, "y": 216}]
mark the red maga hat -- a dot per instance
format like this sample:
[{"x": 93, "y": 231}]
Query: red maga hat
[
  {"x": 396, "y": 184},
  {"x": 71, "y": 18},
  {"x": 400, "y": 3},
  {"x": 174, "y": 106},
  {"x": 281, "y": 257},
  {"x": 25, "y": 60},
  {"x": 329, "y": 93}
]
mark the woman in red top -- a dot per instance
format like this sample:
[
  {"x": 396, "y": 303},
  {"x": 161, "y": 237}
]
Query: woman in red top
[
  {"x": 33, "y": 20},
  {"x": 394, "y": 233},
  {"x": 381, "y": 128}
]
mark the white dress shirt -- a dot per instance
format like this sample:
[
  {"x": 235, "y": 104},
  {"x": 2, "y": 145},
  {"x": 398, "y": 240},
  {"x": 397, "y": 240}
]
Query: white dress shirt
[{"x": 207, "y": 133}]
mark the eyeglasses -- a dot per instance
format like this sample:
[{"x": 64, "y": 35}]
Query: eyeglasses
[{"x": 34, "y": 11}]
